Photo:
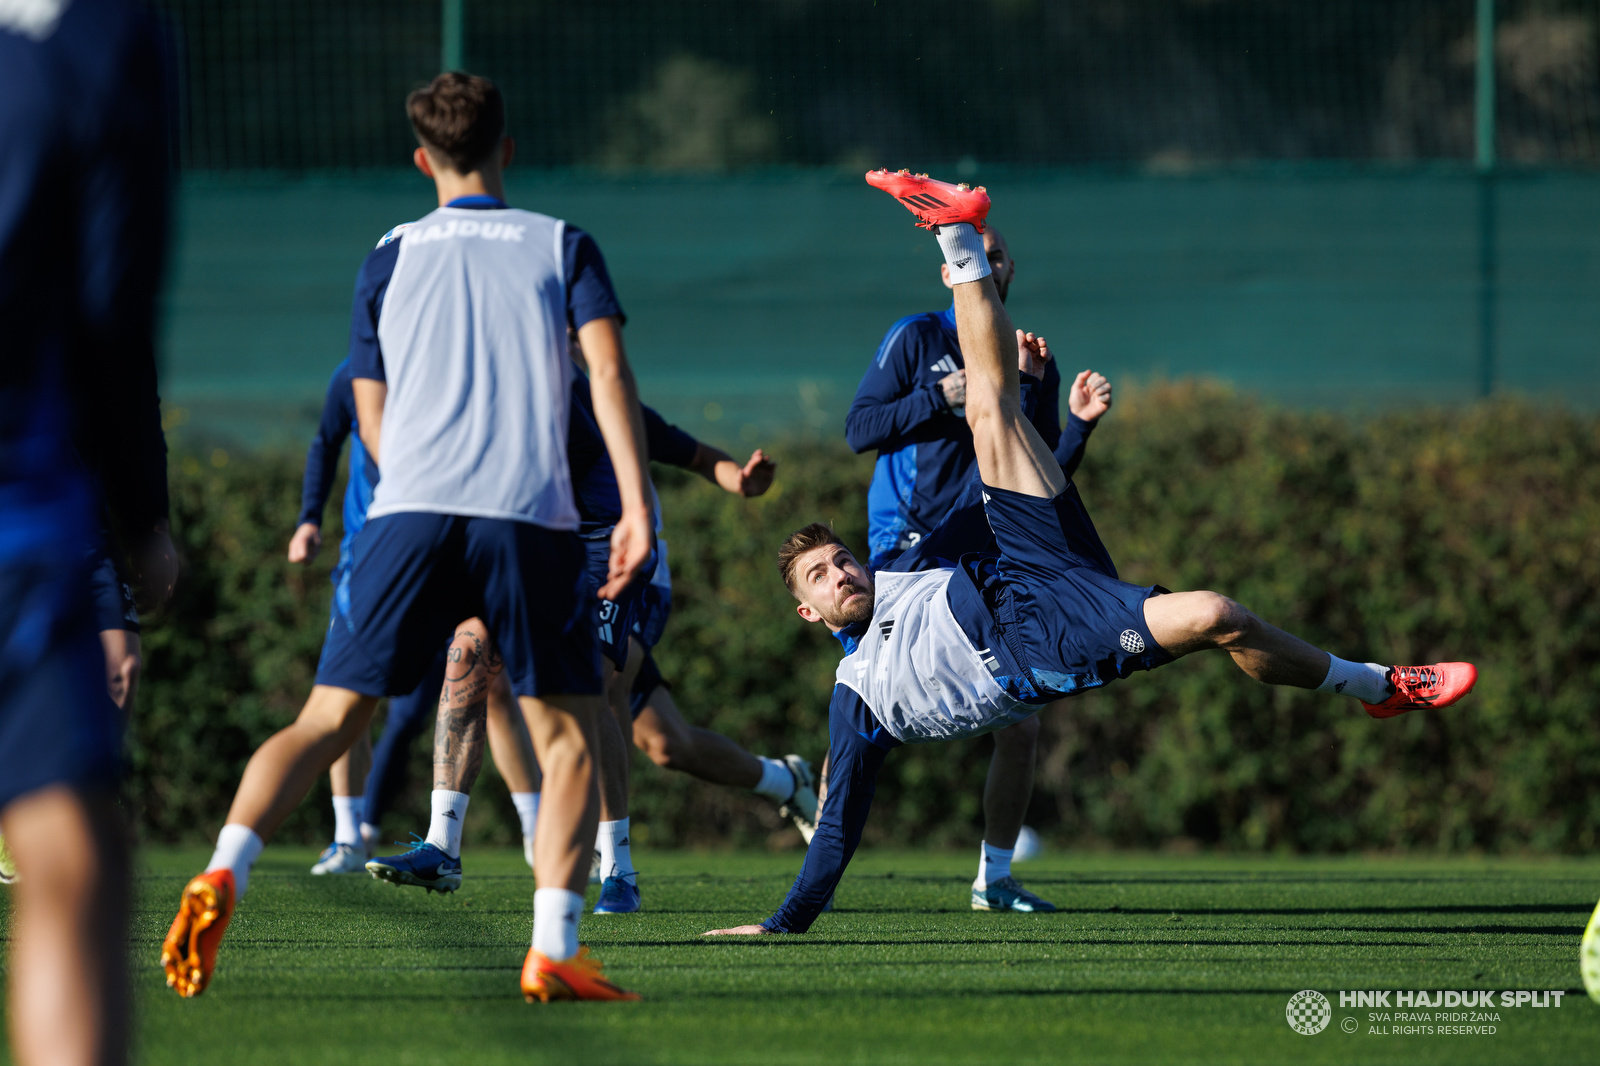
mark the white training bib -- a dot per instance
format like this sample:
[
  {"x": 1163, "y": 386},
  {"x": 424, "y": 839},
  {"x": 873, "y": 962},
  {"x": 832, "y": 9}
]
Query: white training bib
[
  {"x": 473, "y": 331},
  {"x": 916, "y": 669}
]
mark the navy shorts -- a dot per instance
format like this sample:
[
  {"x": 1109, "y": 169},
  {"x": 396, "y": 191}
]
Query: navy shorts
[
  {"x": 110, "y": 596},
  {"x": 655, "y": 609},
  {"x": 1061, "y": 609},
  {"x": 415, "y": 577},
  {"x": 614, "y": 620},
  {"x": 57, "y": 722}
]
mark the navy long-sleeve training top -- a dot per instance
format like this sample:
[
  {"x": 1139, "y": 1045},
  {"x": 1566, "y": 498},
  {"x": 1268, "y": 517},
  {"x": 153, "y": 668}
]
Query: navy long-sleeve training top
[{"x": 924, "y": 448}]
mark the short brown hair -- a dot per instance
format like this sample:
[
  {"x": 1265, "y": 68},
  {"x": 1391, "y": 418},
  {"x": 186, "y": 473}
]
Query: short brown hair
[
  {"x": 801, "y": 541},
  {"x": 461, "y": 117}
]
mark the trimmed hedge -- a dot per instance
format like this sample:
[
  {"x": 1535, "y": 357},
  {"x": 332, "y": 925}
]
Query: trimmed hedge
[{"x": 1470, "y": 533}]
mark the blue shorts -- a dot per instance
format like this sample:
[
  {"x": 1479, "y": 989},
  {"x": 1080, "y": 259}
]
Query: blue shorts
[
  {"x": 111, "y": 596},
  {"x": 58, "y": 725},
  {"x": 614, "y": 620},
  {"x": 414, "y": 577},
  {"x": 653, "y": 614},
  {"x": 1058, "y": 604}
]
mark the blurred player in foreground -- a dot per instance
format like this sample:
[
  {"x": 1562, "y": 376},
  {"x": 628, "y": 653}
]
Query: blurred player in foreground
[
  {"x": 909, "y": 407},
  {"x": 1010, "y": 602},
  {"x": 461, "y": 377},
  {"x": 83, "y": 228}
]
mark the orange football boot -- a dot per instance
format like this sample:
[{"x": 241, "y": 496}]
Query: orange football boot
[
  {"x": 189, "y": 954},
  {"x": 935, "y": 203},
  {"x": 1437, "y": 685},
  {"x": 579, "y": 977}
]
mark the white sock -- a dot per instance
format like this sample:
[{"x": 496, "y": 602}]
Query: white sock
[
  {"x": 616, "y": 857},
  {"x": 369, "y": 835},
  {"x": 994, "y": 864},
  {"x": 444, "y": 830},
  {"x": 347, "y": 820},
  {"x": 962, "y": 246},
  {"x": 777, "y": 783},
  {"x": 527, "y": 804},
  {"x": 555, "y": 923},
  {"x": 238, "y": 848},
  {"x": 1365, "y": 681}
]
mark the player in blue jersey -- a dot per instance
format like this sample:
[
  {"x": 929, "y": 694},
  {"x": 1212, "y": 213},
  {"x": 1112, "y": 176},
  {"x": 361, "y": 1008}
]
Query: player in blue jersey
[
  {"x": 84, "y": 202},
  {"x": 1011, "y": 601},
  {"x": 909, "y": 407},
  {"x": 461, "y": 378}
]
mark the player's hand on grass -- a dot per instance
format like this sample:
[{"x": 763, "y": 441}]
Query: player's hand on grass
[
  {"x": 954, "y": 387},
  {"x": 630, "y": 548},
  {"x": 1090, "y": 395},
  {"x": 740, "y": 930},
  {"x": 156, "y": 563},
  {"x": 306, "y": 543},
  {"x": 1032, "y": 354},
  {"x": 752, "y": 479}
]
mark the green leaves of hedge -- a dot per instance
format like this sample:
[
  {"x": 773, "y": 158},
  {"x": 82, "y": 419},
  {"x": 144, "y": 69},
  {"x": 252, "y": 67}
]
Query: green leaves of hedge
[{"x": 1397, "y": 537}]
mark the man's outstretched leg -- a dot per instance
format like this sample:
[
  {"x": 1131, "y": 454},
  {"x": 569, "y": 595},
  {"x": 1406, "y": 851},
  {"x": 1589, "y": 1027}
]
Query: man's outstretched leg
[
  {"x": 347, "y": 778},
  {"x": 1037, "y": 548},
  {"x": 277, "y": 778},
  {"x": 659, "y": 730}
]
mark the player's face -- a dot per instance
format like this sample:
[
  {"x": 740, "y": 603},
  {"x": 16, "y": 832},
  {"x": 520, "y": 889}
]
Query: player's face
[
  {"x": 833, "y": 587},
  {"x": 1001, "y": 266}
]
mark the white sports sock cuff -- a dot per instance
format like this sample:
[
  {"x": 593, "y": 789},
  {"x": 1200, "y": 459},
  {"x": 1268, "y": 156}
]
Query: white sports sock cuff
[
  {"x": 527, "y": 805},
  {"x": 347, "y": 819},
  {"x": 555, "y": 922},
  {"x": 449, "y": 812},
  {"x": 238, "y": 847},
  {"x": 962, "y": 246},
  {"x": 777, "y": 783},
  {"x": 1365, "y": 681}
]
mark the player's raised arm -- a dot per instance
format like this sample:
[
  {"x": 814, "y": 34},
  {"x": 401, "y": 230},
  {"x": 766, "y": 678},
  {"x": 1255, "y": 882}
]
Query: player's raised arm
[
  {"x": 616, "y": 410},
  {"x": 890, "y": 403}
]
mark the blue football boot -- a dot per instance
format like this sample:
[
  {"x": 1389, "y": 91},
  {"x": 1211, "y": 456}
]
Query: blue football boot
[
  {"x": 618, "y": 895},
  {"x": 424, "y": 866},
  {"x": 1007, "y": 894}
]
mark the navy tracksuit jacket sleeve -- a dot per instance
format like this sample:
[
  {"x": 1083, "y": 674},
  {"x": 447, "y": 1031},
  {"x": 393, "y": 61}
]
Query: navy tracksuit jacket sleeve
[
  {"x": 322, "y": 458},
  {"x": 666, "y": 442},
  {"x": 888, "y": 403},
  {"x": 853, "y": 765},
  {"x": 1074, "y": 439}
]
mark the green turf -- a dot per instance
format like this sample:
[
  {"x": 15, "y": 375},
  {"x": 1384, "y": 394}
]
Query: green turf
[{"x": 1152, "y": 959}]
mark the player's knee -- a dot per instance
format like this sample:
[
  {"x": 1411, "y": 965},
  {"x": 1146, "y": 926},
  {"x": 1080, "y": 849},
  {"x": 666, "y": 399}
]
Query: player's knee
[{"x": 1224, "y": 621}]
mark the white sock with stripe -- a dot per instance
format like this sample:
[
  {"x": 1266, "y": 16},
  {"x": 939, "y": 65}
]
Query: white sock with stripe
[
  {"x": 994, "y": 864},
  {"x": 449, "y": 812},
  {"x": 1368, "y": 682},
  {"x": 962, "y": 246},
  {"x": 616, "y": 856},
  {"x": 555, "y": 923}
]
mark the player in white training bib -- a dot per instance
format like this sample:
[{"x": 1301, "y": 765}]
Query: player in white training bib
[{"x": 1011, "y": 601}]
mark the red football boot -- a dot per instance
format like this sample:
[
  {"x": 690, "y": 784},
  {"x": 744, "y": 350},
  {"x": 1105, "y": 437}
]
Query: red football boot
[
  {"x": 189, "y": 954},
  {"x": 579, "y": 977},
  {"x": 1437, "y": 685},
  {"x": 935, "y": 203}
]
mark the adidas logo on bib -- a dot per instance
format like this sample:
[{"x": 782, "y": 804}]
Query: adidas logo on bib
[{"x": 1132, "y": 642}]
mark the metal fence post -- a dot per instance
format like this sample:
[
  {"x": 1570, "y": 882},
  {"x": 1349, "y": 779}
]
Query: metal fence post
[
  {"x": 450, "y": 34},
  {"x": 1487, "y": 206}
]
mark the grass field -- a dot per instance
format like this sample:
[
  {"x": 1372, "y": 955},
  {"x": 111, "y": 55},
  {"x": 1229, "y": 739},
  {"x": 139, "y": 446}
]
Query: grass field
[{"x": 1152, "y": 959}]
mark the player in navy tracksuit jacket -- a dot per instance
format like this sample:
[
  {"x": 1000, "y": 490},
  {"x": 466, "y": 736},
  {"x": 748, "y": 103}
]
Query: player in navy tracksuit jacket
[{"x": 909, "y": 408}]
